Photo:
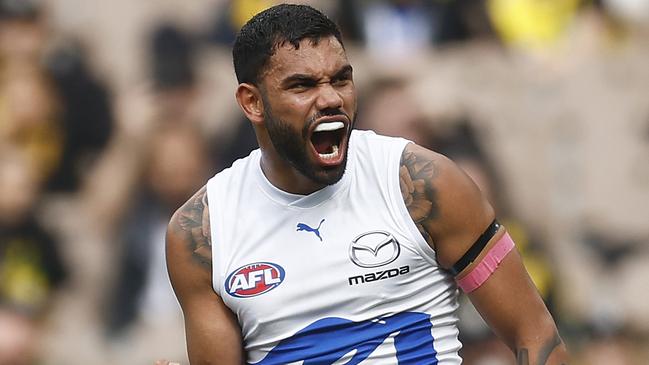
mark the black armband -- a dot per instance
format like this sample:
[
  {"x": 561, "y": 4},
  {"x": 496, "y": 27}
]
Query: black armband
[{"x": 475, "y": 249}]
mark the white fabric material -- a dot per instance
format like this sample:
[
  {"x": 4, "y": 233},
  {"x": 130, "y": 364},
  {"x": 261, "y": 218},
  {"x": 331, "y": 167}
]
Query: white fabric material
[{"x": 313, "y": 303}]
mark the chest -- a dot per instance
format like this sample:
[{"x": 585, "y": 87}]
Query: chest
[{"x": 297, "y": 265}]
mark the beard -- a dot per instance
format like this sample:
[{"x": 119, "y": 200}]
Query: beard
[{"x": 293, "y": 146}]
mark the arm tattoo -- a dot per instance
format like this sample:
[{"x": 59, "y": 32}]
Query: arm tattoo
[
  {"x": 548, "y": 347},
  {"x": 522, "y": 355},
  {"x": 416, "y": 173},
  {"x": 195, "y": 221}
]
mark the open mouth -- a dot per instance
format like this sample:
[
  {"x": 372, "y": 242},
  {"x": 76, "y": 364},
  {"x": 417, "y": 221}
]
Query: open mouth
[{"x": 328, "y": 140}]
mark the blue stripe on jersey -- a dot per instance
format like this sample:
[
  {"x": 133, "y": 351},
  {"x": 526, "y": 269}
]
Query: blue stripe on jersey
[{"x": 329, "y": 339}]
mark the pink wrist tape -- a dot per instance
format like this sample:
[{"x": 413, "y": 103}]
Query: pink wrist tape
[{"x": 481, "y": 272}]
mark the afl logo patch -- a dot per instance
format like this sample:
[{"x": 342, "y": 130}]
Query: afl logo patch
[{"x": 254, "y": 279}]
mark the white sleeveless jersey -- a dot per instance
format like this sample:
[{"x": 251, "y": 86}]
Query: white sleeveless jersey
[{"x": 340, "y": 276}]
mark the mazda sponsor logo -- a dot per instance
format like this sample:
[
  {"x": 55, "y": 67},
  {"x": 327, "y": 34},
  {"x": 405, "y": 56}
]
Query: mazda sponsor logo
[
  {"x": 379, "y": 275},
  {"x": 374, "y": 249}
]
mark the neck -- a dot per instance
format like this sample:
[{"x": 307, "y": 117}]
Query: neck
[{"x": 284, "y": 176}]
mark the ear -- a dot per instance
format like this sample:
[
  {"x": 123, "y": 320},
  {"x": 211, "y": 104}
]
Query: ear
[{"x": 249, "y": 99}]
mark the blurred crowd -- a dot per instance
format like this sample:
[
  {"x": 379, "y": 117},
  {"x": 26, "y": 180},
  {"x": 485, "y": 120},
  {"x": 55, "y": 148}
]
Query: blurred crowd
[{"x": 113, "y": 113}]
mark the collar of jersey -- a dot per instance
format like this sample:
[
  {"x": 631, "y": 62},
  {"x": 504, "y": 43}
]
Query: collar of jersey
[{"x": 303, "y": 201}]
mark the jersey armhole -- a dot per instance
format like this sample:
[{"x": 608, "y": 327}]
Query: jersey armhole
[
  {"x": 217, "y": 277},
  {"x": 427, "y": 252}
]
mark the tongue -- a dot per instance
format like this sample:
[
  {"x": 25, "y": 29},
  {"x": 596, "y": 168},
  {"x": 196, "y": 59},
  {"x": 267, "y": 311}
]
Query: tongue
[{"x": 324, "y": 141}]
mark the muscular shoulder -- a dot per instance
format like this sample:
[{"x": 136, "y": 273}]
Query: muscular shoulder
[
  {"x": 188, "y": 234},
  {"x": 445, "y": 204}
]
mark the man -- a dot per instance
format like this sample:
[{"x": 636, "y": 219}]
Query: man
[{"x": 329, "y": 245}]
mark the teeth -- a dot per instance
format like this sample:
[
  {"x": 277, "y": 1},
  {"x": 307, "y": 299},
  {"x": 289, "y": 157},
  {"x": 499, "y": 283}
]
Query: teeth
[
  {"x": 329, "y": 126},
  {"x": 330, "y": 156}
]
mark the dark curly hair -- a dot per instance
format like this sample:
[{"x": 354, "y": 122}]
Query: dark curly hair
[{"x": 260, "y": 37}]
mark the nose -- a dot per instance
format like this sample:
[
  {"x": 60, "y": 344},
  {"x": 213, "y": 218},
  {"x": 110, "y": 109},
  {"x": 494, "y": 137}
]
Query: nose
[{"x": 328, "y": 97}]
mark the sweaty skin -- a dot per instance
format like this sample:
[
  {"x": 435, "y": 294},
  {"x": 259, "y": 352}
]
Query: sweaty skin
[
  {"x": 297, "y": 86},
  {"x": 213, "y": 334},
  {"x": 431, "y": 186},
  {"x": 451, "y": 214},
  {"x": 446, "y": 206}
]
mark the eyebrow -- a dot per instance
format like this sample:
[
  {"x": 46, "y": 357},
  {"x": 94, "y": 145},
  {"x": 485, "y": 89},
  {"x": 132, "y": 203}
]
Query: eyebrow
[
  {"x": 347, "y": 69},
  {"x": 305, "y": 77}
]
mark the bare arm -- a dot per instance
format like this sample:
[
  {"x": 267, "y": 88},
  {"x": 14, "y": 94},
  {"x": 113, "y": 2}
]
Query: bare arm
[
  {"x": 213, "y": 334},
  {"x": 451, "y": 214}
]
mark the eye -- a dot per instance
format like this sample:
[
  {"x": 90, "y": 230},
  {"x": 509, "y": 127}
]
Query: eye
[
  {"x": 342, "y": 80},
  {"x": 302, "y": 84}
]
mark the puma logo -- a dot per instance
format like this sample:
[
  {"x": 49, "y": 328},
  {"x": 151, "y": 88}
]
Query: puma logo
[{"x": 305, "y": 227}]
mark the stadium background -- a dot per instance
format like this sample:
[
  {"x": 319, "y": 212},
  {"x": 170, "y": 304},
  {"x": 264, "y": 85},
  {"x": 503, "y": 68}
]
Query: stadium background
[{"x": 113, "y": 112}]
